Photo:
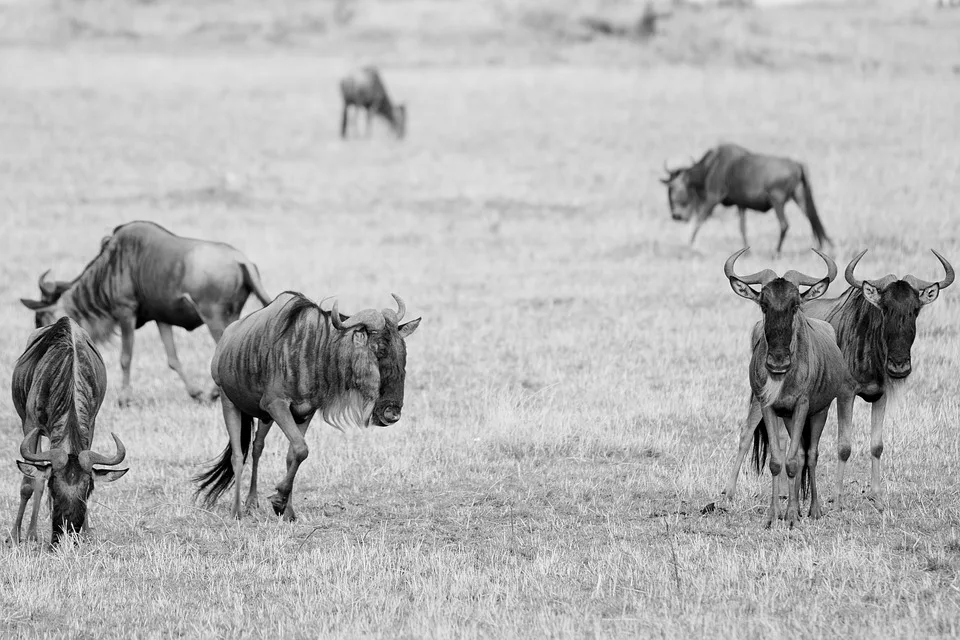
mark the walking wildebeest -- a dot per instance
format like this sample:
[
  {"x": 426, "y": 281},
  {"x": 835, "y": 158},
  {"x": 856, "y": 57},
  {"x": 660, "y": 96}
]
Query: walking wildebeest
[
  {"x": 291, "y": 359},
  {"x": 732, "y": 176},
  {"x": 875, "y": 322},
  {"x": 796, "y": 370},
  {"x": 58, "y": 387},
  {"x": 142, "y": 273},
  {"x": 363, "y": 89}
]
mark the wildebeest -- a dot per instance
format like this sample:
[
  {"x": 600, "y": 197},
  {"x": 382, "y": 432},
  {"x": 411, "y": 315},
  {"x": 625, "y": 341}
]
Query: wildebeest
[
  {"x": 732, "y": 176},
  {"x": 796, "y": 371},
  {"x": 875, "y": 322},
  {"x": 142, "y": 273},
  {"x": 363, "y": 89},
  {"x": 291, "y": 359},
  {"x": 58, "y": 387}
]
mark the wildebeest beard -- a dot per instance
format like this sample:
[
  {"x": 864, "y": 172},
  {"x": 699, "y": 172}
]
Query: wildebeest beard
[
  {"x": 359, "y": 385},
  {"x": 70, "y": 489}
]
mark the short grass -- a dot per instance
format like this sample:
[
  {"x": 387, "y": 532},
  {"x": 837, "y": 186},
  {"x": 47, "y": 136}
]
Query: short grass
[{"x": 575, "y": 388}]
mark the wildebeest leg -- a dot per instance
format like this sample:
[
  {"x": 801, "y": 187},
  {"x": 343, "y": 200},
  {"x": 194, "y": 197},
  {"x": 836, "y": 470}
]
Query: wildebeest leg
[
  {"x": 263, "y": 428},
  {"x": 216, "y": 320},
  {"x": 817, "y": 422},
  {"x": 38, "y": 487},
  {"x": 876, "y": 450},
  {"x": 776, "y": 464},
  {"x": 233, "y": 422},
  {"x": 166, "y": 337},
  {"x": 699, "y": 218},
  {"x": 343, "y": 120},
  {"x": 279, "y": 410},
  {"x": 128, "y": 325},
  {"x": 369, "y": 121},
  {"x": 778, "y": 206},
  {"x": 794, "y": 461},
  {"x": 746, "y": 437},
  {"x": 743, "y": 224},
  {"x": 844, "y": 422},
  {"x": 289, "y": 514}
]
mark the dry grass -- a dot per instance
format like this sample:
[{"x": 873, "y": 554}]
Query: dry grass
[{"x": 572, "y": 393}]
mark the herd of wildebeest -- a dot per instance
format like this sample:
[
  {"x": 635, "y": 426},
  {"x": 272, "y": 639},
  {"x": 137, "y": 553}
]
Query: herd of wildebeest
[{"x": 293, "y": 358}]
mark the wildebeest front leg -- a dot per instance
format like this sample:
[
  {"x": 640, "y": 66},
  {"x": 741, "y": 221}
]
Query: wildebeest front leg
[
  {"x": 173, "y": 361},
  {"x": 743, "y": 224},
  {"x": 794, "y": 458},
  {"x": 754, "y": 414},
  {"x": 844, "y": 422},
  {"x": 263, "y": 428},
  {"x": 128, "y": 325},
  {"x": 279, "y": 410},
  {"x": 817, "y": 422},
  {"x": 876, "y": 450},
  {"x": 771, "y": 424}
]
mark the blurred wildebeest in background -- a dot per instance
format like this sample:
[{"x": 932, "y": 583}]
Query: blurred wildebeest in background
[
  {"x": 363, "y": 89},
  {"x": 732, "y": 176},
  {"x": 875, "y": 322},
  {"x": 291, "y": 359},
  {"x": 796, "y": 371},
  {"x": 58, "y": 387},
  {"x": 142, "y": 273}
]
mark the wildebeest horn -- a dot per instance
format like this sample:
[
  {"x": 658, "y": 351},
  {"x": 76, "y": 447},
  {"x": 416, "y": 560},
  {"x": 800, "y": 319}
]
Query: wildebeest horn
[
  {"x": 760, "y": 277},
  {"x": 848, "y": 272},
  {"x": 920, "y": 285},
  {"x": 90, "y": 458},
  {"x": 401, "y": 309},
  {"x": 369, "y": 318},
  {"x": 803, "y": 279},
  {"x": 47, "y": 286},
  {"x": 56, "y": 457}
]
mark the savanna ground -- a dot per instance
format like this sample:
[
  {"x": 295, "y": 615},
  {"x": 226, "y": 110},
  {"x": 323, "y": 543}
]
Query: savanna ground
[{"x": 574, "y": 390}]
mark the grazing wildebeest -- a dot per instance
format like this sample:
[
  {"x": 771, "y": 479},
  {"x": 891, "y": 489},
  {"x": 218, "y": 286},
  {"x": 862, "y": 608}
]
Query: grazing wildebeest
[
  {"x": 735, "y": 177},
  {"x": 58, "y": 387},
  {"x": 363, "y": 89},
  {"x": 291, "y": 359},
  {"x": 875, "y": 322},
  {"x": 796, "y": 370},
  {"x": 142, "y": 273}
]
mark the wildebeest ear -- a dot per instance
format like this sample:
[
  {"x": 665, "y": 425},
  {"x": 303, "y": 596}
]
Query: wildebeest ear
[
  {"x": 744, "y": 290},
  {"x": 871, "y": 293},
  {"x": 816, "y": 290},
  {"x": 109, "y": 475},
  {"x": 36, "y": 305},
  {"x": 38, "y": 472},
  {"x": 408, "y": 328},
  {"x": 930, "y": 294}
]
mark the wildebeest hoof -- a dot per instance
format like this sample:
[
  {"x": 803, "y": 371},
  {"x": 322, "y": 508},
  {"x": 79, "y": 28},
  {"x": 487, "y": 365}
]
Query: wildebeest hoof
[
  {"x": 816, "y": 511},
  {"x": 126, "y": 398},
  {"x": 279, "y": 503},
  {"x": 252, "y": 503},
  {"x": 877, "y": 500},
  {"x": 288, "y": 514},
  {"x": 793, "y": 517},
  {"x": 770, "y": 518}
]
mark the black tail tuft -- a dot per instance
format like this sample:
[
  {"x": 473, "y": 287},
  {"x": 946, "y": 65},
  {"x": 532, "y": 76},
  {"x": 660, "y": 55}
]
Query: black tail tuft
[
  {"x": 815, "y": 223},
  {"x": 760, "y": 442},
  {"x": 219, "y": 477}
]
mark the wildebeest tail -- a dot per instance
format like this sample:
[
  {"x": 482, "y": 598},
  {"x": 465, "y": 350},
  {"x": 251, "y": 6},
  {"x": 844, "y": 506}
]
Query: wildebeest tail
[
  {"x": 760, "y": 443},
  {"x": 811, "y": 210},
  {"x": 251, "y": 277},
  {"x": 219, "y": 477}
]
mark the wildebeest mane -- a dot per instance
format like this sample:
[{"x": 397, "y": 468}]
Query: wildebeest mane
[
  {"x": 291, "y": 312},
  {"x": 53, "y": 355},
  {"x": 859, "y": 328},
  {"x": 697, "y": 173}
]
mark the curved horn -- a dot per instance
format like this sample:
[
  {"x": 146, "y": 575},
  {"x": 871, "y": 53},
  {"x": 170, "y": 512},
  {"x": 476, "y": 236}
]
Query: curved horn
[
  {"x": 47, "y": 286},
  {"x": 335, "y": 317},
  {"x": 369, "y": 318},
  {"x": 920, "y": 285},
  {"x": 89, "y": 458},
  {"x": 848, "y": 272},
  {"x": 27, "y": 451},
  {"x": 402, "y": 308},
  {"x": 760, "y": 277},
  {"x": 803, "y": 279}
]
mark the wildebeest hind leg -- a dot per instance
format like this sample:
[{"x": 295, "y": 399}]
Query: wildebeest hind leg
[
  {"x": 778, "y": 205},
  {"x": 233, "y": 422},
  {"x": 746, "y": 437},
  {"x": 128, "y": 325},
  {"x": 216, "y": 318},
  {"x": 173, "y": 361},
  {"x": 263, "y": 428},
  {"x": 279, "y": 410}
]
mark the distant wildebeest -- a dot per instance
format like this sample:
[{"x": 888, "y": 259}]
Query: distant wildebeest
[
  {"x": 142, "y": 273},
  {"x": 363, "y": 89},
  {"x": 796, "y": 371},
  {"x": 732, "y": 176},
  {"x": 291, "y": 359},
  {"x": 875, "y": 322},
  {"x": 58, "y": 387}
]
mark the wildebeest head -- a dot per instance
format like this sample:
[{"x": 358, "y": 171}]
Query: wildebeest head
[
  {"x": 899, "y": 302},
  {"x": 47, "y": 308},
  {"x": 70, "y": 478},
  {"x": 379, "y": 356},
  {"x": 779, "y": 299},
  {"x": 682, "y": 195}
]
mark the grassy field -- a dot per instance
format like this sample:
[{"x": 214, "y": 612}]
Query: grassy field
[{"x": 574, "y": 390}]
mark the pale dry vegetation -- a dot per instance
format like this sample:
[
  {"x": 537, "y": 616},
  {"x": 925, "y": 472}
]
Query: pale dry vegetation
[{"x": 576, "y": 384}]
